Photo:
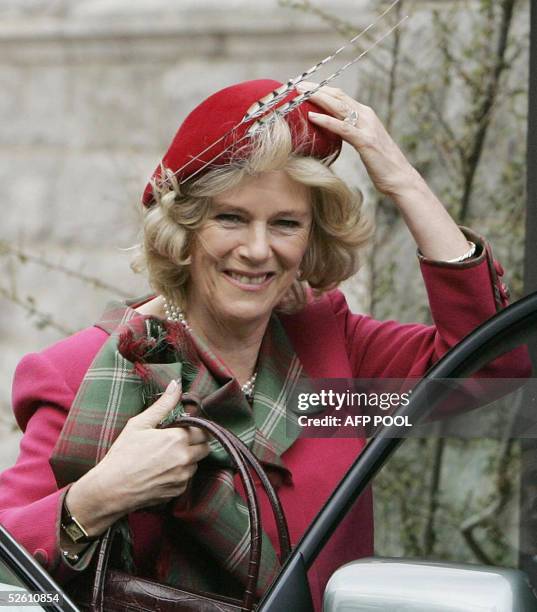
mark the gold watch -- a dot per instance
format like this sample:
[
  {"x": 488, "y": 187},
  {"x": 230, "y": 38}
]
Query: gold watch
[{"x": 72, "y": 527}]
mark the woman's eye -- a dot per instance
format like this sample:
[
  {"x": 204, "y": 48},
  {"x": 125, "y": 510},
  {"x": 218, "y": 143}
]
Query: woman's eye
[
  {"x": 288, "y": 223},
  {"x": 229, "y": 218}
]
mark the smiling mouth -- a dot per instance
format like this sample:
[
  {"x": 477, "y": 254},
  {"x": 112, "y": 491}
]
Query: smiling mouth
[{"x": 244, "y": 279}]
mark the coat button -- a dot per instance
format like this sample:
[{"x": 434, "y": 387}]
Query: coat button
[
  {"x": 41, "y": 557},
  {"x": 499, "y": 268}
]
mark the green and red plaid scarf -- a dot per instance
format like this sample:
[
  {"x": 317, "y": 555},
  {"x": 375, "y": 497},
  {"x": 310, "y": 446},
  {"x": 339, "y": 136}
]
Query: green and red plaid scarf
[{"x": 206, "y": 530}]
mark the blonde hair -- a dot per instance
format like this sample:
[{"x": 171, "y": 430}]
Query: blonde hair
[{"x": 339, "y": 227}]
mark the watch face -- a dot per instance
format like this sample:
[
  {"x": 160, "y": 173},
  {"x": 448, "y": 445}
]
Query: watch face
[{"x": 74, "y": 532}]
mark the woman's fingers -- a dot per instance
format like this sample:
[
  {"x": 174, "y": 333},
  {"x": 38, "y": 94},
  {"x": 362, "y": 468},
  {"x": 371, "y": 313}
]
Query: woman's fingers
[
  {"x": 332, "y": 99},
  {"x": 335, "y": 106},
  {"x": 152, "y": 415},
  {"x": 197, "y": 452},
  {"x": 346, "y": 130},
  {"x": 196, "y": 435},
  {"x": 185, "y": 474},
  {"x": 359, "y": 125},
  {"x": 191, "y": 434},
  {"x": 345, "y": 116}
]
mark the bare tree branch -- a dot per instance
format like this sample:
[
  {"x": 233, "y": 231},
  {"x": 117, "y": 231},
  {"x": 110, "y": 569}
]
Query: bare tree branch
[
  {"x": 44, "y": 319},
  {"x": 429, "y": 532},
  {"x": 24, "y": 257},
  {"x": 483, "y": 517},
  {"x": 382, "y": 202},
  {"x": 346, "y": 29},
  {"x": 442, "y": 122},
  {"x": 483, "y": 113}
]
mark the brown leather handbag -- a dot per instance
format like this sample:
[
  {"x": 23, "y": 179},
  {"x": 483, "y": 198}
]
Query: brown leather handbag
[{"x": 112, "y": 590}]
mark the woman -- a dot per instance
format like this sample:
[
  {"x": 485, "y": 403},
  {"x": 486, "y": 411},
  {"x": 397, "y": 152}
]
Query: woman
[{"x": 243, "y": 245}]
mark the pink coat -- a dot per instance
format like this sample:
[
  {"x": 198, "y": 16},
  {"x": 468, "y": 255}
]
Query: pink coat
[{"x": 343, "y": 344}]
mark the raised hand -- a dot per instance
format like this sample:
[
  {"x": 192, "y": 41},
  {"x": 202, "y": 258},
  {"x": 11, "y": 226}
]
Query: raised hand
[
  {"x": 436, "y": 234},
  {"x": 360, "y": 126}
]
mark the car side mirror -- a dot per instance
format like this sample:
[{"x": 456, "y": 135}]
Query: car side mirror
[{"x": 427, "y": 586}]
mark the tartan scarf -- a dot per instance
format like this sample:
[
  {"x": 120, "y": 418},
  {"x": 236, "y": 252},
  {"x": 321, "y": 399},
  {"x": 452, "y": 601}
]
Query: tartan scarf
[{"x": 205, "y": 543}]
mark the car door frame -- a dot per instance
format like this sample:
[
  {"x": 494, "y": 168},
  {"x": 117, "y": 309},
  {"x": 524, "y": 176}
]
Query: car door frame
[
  {"x": 34, "y": 577},
  {"x": 511, "y": 327}
]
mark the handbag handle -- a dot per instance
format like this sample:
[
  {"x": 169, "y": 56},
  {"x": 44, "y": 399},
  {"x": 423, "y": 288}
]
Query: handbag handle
[
  {"x": 272, "y": 496},
  {"x": 194, "y": 400},
  {"x": 274, "y": 500},
  {"x": 240, "y": 455}
]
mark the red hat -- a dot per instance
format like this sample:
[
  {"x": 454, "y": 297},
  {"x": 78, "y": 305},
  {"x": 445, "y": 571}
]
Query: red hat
[{"x": 219, "y": 114}]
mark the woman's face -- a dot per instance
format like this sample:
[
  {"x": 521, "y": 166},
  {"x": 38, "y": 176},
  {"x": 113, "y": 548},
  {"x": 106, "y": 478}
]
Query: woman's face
[{"x": 248, "y": 253}]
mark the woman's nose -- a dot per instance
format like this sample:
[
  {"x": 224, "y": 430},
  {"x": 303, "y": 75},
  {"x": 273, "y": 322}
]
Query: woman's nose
[{"x": 256, "y": 243}]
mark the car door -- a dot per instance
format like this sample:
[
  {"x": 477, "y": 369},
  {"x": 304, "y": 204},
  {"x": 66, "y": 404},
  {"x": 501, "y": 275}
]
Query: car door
[{"x": 417, "y": 515}]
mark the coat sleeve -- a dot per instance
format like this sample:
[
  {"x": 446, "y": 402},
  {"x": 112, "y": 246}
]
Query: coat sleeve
[
  {"x": 30, "y": 500},
  {"x": 461, "y": 297}
]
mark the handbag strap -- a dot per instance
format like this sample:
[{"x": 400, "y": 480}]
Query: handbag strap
[
  {"x": 252, "y": 461},
  {"x": 241, "y": 457},
  {"x": 272, "y": 496},
  {"x": 192, "y": 402}
]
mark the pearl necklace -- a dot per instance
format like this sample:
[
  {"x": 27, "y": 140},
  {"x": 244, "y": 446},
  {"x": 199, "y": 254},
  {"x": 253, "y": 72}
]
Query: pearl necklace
[{"x": 176, "y": 315}]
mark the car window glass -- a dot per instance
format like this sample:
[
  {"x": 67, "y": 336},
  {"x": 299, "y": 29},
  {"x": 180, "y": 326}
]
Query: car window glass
[
  {"x": 8, "y": 578},
  {"x": 456, "y": 494},
  {"x": 10, "y": 583}
]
